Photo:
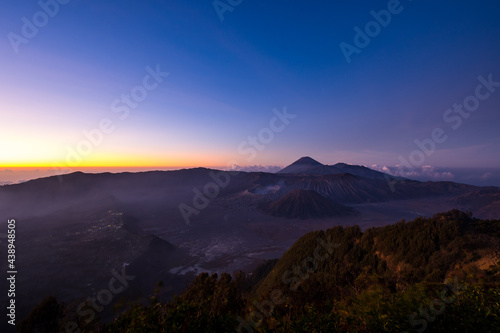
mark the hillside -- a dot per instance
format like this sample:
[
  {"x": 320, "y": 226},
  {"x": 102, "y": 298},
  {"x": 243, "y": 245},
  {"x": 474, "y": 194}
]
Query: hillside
[
  {"x": 484, "y": 202},
  {"x": 432, "y": 250}
]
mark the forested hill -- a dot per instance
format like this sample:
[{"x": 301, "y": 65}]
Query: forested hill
[
  {"x": 438, "y": 274},
  {"x": 430, "y": 250}
]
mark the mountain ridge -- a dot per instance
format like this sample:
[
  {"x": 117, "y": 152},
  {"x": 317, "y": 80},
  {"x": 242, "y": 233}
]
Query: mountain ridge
[
  {"x": 308, "y": 165},
  {"x": 49, "y": 194}
]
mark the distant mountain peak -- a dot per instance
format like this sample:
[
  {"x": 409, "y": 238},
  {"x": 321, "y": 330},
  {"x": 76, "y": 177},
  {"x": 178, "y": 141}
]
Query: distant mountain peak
[
  {"x": 308, "y": 165},
  {"x": 302, "y": 165},
  {"x": 306, "y": 160}
]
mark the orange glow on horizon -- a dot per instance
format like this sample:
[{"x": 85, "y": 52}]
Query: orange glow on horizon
[
  {"x": 87, "y": 166},
  {"x": 116, "y": 163},
  {"x": 117, "y": 160}
]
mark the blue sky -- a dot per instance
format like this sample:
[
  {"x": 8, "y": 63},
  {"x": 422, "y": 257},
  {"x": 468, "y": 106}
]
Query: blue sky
[{"x": 226, "y": 77}]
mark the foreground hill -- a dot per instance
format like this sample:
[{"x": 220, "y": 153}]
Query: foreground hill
[
  {"x": 435, "y": 274},
  {"x": 434, "y": 249}
]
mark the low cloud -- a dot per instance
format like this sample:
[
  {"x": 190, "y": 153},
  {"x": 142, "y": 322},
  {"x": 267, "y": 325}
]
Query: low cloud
[
  {"x": 473, "y": 176},
  {"x": 257, "y": 168},
  {"x": 426, "y": 172}
]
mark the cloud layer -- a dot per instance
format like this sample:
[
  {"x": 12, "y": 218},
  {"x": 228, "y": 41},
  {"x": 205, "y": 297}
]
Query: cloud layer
[{"x": 426, "y": 172}]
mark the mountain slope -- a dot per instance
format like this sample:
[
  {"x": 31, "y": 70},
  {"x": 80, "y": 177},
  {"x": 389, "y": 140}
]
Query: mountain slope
[
  {"x": 306, "y": 204},
  {"x": 361, "y": 171},
  {"x": 484, "y": 202}
]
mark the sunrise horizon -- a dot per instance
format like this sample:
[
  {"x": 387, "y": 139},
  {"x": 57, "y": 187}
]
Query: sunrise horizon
[{"x": 10, "y": 174}]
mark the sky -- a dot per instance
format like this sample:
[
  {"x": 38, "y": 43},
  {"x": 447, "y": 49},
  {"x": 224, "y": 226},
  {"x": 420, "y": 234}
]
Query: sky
[{"x": 406, "y": 87}]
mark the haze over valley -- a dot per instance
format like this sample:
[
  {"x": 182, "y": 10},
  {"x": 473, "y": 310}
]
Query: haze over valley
[{"x": 172, "y": 225}]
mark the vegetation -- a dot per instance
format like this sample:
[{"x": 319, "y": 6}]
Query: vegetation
[{"x": 434, "y": 274}]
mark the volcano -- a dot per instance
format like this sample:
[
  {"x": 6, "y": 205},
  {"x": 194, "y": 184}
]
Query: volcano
[
  {"x": 308, "y": 165},
  {"x": 306, "y": 204}
]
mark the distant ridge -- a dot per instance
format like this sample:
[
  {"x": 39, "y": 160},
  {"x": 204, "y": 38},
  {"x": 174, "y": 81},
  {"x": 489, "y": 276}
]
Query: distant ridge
[
  {"x": 306, "y": 204},
  {"x": 344, "y": 184}
]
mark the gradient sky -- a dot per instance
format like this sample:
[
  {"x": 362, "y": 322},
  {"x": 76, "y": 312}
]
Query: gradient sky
[{"x": 226, "y": 77}]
